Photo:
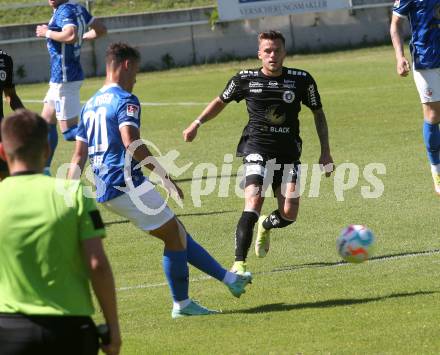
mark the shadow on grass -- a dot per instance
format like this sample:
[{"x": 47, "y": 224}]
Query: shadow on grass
[
  {"x": 178, "y": 215},
  {"x": 283, "y": 307},
  {"x": 337, "y": 263},
  {"x": 201, "y": 178}
]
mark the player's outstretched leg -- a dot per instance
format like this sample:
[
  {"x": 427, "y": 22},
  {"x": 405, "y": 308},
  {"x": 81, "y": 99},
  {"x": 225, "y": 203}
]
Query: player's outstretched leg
[
  {"x": 48, "y": 113},
  {"x": 53, "y": 143},
  {"x": 243, "y": 240},
  {"x": 431, "y": 135},
  {"x": 262, "y": 243},
  {"x": 202, "y": 260},
  {"x": 176, "y": 270},
  {"x": 265, "y": 224},
  {"x": 175, "y": 266}
]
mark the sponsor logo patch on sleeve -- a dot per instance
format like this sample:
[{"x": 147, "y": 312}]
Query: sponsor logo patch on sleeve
[
  {"x": 3, "y": 75},
  {"x": 133, "y": 110}
]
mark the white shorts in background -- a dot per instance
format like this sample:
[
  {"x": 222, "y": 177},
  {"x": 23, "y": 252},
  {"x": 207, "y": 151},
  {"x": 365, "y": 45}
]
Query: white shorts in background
[
  {"x": 64, "y": 97},
  {"x": 152, "y": 214},
  {"x": 428, "y": 84}
]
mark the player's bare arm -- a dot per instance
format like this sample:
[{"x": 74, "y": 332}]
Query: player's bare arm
[
  {"x": 322, "y": 130},
  {"x": 67, "y": 35},
  {"x": 78, "y": 160},
  {"x": 212, "y": 110},
  {"x": 129, "y": 135},
  {"x": 396, "y": 32},
  {"x": 12, "y": 98},
  {"x": 104, "y": 287},
  {"x": 97, "y": 29}
]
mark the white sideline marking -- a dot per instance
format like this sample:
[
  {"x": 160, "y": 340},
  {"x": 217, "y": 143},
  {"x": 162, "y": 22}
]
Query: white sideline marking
[
  {"x": 127, "y": 288},
  {"x": 323, "y": 92},
  {"x": 142, "y": 103},
  {"x": 202, "y": 278}
]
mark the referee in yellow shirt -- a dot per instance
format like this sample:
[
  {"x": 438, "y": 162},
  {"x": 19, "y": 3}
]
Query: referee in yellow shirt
[{"x": 49, "y": 251}]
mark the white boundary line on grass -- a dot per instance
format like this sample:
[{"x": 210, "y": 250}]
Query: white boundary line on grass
[
  {"x": 191, "y": 103},
  {"x": 142, "y": 103},
  {"x": 202, "y": 278}
]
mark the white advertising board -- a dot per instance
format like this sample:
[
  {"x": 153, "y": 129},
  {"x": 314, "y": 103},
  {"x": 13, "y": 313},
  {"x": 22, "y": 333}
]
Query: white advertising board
[{"x": 242, "y": 9}]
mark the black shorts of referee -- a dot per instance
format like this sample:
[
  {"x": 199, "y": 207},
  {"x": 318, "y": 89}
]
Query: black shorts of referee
[{"x": 47, "y": 335}]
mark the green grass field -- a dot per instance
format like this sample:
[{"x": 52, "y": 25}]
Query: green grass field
[{"x": 302, "y": 300}]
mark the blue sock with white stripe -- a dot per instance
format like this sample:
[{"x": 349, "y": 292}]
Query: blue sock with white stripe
[
  {"x": 202, "y": 260},
  {"x": 431, "y": 135},
  {"x": 176, "y": 270}
]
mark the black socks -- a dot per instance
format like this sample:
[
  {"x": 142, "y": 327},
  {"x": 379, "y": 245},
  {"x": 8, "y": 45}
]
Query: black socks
[
  {"x": 243, "y": 234},
  {"x": 274, "y": 220}
]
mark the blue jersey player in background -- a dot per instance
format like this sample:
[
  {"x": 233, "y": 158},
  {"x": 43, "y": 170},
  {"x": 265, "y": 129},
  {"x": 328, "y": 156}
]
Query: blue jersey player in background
[
  {"x": 65, "y": 33},
  {"x": 424, "y": 19},
  {"x": 108, "y": 133}
]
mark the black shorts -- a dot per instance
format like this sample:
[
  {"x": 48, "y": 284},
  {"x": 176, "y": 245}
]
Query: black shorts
[
  {"x": 49, "y": 335},
  {"x": 264, "y": 171},
  {"x": 3, "y": 166}
]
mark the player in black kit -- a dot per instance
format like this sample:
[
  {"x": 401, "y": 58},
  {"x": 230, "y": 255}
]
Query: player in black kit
[
  {"x": 270, "y": 144},
  {"x": 7, "y": 87}
]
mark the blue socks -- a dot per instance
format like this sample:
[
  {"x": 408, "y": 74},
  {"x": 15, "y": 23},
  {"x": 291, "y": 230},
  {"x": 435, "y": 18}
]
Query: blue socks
[
  {"x": 176, "y": 270},
  {"x": 431, "y": 135},
  {"x": 175, "y": 265},
  {"x": 70, "y": 134},
  {"x": 52, "y": 137},
  {"x": 53, "y": 142},
  {"x": 202, "y": 260}
]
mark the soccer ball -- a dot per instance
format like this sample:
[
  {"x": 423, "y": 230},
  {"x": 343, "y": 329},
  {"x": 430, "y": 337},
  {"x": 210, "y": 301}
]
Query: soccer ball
[{"x": 355, "y": 243}]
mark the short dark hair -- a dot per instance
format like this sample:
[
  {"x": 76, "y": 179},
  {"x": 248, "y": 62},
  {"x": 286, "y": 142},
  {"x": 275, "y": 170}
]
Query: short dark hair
[
  {"x": 118, "y": 52},
  {"x": 272, "y": 35},
  {"x": 24, "y": 135}
]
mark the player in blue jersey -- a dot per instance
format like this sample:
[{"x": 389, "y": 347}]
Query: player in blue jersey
[
  {"x": 7, "y": 88},
  {"x": 424, "y": 19},
  {"x": 108, "y": 133},
  {"x": 65, "y": 33}
]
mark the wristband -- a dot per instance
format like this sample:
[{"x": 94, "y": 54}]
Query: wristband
[
  {"x": 48, "y": 33},
  {"x": 198, "y": 122}
]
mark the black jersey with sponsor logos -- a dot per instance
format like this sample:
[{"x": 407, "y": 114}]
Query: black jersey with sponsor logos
[
  {"x": 6, "y": 72},
  {"x": 273, "y": 105}
]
